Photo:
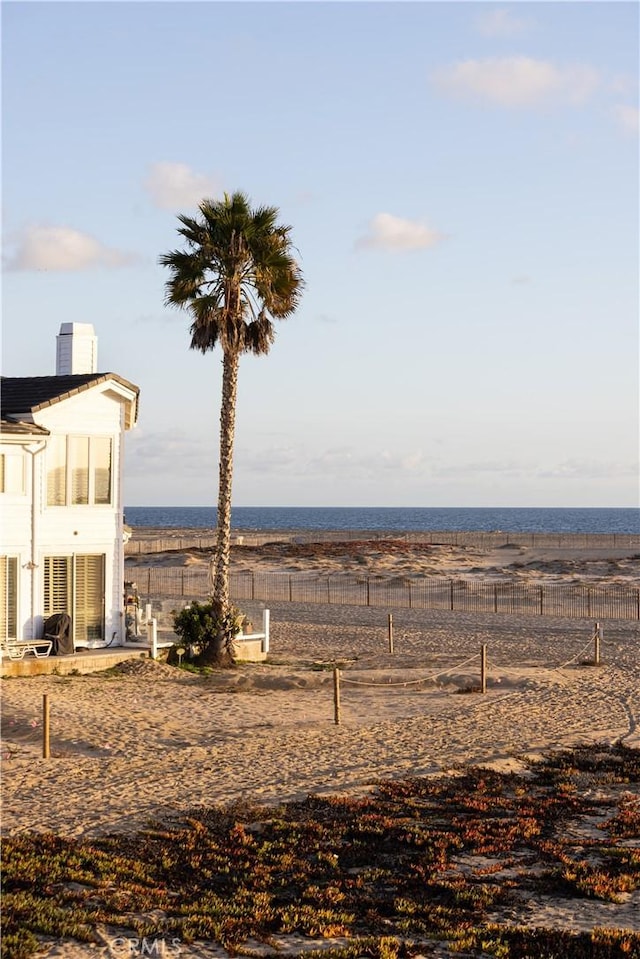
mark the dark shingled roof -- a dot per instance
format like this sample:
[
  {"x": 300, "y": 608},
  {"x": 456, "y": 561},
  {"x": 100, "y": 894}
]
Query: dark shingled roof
[
  {"x": 28, "y": 394},
  {"x": 7, "y": 428}
]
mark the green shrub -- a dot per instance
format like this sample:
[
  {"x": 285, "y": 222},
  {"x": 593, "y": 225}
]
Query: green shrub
[{"x": 207, "y": 634}]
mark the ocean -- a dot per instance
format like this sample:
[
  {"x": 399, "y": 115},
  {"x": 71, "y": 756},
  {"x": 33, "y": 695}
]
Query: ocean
[{"x": 407, "y": 519}]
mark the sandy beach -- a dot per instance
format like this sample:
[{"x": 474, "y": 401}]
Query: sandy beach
[
  {"x": 125, "y": 744},
  {"x": 146, "y": 741}
]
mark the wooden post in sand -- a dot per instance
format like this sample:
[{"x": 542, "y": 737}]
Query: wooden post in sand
[
  {"x": 390, "y": 632},
  {"x": 596, "y": 645},
  {"x": 45, "y": 726},
  {"x": 483, "y": 668},
  {"x": 336, "y": 696}
]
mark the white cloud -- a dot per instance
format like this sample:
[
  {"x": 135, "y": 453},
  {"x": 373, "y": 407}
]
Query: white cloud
[
  {"x": 173, "y": 186},
  {"x": 583, "y": 469},
  {"x": 153, "y": 453},
  {"x": 387, "y": 232},
  {"x": 518, "y": 81},
  {"x": 63, "y": 249},
  {"x": 502, "y": 23},
  {"x": 627, "y": 118}
]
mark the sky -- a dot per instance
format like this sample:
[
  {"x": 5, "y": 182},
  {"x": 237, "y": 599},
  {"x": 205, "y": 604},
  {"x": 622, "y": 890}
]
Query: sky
[{"x": 461, "y": 179}]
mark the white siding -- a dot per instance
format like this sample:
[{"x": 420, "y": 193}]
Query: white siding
[{"x": 31, "y": 533}]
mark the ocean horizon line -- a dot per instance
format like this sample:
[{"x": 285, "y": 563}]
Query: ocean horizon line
[
  {"x": 287, "y": 507},
  {"x": 532, "y": 519}
]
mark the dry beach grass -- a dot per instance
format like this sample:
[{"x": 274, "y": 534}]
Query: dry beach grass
[{"x": 147, "y": 741}]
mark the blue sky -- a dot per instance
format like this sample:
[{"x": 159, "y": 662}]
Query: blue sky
[{"x": 462, "y": 183}]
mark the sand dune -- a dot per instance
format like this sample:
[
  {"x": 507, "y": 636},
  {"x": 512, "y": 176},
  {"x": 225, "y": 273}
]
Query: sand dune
[{"x": 593, "y": 565}]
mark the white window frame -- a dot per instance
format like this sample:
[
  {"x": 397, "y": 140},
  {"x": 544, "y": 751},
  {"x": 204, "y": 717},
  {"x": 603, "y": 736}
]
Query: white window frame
[
  {"x": 64, "y": 447},
  {"x": 12, "y": 473},
  {"x": 70, "y": 583}
]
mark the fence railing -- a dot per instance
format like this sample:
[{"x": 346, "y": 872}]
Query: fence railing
[
  {"x": 551, "y": 599},
  {"x": 490, "y": 540}
]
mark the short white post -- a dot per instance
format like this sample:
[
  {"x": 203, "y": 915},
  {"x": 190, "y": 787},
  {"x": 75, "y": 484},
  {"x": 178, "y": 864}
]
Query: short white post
[
  {"x": 147, "y": 612},
  {"x": 265, "y": 630},
  {"x": 152, "y": 637}
]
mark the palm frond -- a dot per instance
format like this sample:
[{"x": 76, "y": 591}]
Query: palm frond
[{"x": 235, "y": 274}]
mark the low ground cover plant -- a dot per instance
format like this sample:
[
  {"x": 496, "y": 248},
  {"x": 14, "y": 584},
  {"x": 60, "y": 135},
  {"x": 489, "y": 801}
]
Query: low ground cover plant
[{"x": 420, "y": 863}]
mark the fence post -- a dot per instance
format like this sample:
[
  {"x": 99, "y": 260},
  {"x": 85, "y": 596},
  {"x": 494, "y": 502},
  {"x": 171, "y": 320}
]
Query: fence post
[
  {"x": 369, "y": 604},
  {"x": 541, "y": 600},
  {"x": 495, "y": 598},
  {"x": 45, "y": 726},
  {"x": 182, "y": 583},
  {"x": 336, "y": 696},
  {"x": 290, "y": 592},
  {"x": 265, "y": 629},
  {"x": 390, "y": 632},
  {"x": 152, "y": 638},
  {"x": 597, "y": 636},
  {"x": 483, "y": 668},
  {"x": 451, "y": 595}
]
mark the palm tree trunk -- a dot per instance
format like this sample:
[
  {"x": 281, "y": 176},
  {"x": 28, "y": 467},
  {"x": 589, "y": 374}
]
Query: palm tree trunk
[{"x": 230, "y": 364}]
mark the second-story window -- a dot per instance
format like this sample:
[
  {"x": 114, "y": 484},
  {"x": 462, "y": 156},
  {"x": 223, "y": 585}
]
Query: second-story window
[
  {"x": 79, "y": 471},
  {"x": 12, "y": 473}
]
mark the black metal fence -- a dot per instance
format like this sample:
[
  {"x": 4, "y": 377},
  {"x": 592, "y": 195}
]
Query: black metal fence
[{"x": 552, "y": 599}]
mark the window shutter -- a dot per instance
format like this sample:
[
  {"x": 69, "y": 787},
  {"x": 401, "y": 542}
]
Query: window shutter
[
  {"x": 89, "y": 598},
  {"x": 57, "y": 585},
  {"x": 8, "y": 597}
]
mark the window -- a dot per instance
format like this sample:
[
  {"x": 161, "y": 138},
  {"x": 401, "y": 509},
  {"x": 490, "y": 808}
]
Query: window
[
  {"x": 12, "y": 472},
  {"x": 79, "y": 471},
  {"x": 8, "y": 597},
  {"x": 75, "y": 585},
  {"x": 89, "y": 597},
  {"x": 101, "y": 464},
  {"x": 56, "y": 471}
]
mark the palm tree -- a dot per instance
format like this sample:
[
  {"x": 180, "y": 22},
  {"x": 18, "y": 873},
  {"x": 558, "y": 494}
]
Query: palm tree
[{"x": 236, "y": 273}]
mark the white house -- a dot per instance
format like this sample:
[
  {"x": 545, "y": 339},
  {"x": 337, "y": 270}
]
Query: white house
[{"x": 61, "y": 509}]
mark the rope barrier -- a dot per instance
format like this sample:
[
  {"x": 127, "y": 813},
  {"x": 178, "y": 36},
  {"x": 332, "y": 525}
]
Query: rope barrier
[
  {"x": 484, "y": 667},
  {"x": 580, "y": 653},
  {"x": 444, "y": 672},
  {"x": 411, "y": 682}
]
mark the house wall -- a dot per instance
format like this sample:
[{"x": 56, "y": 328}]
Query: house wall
[
  {"x": 16, "y": 518},
  {"x": 66, "y": 530}
]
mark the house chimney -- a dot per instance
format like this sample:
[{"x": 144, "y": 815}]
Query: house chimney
[{"x": 76, "y": 349}]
